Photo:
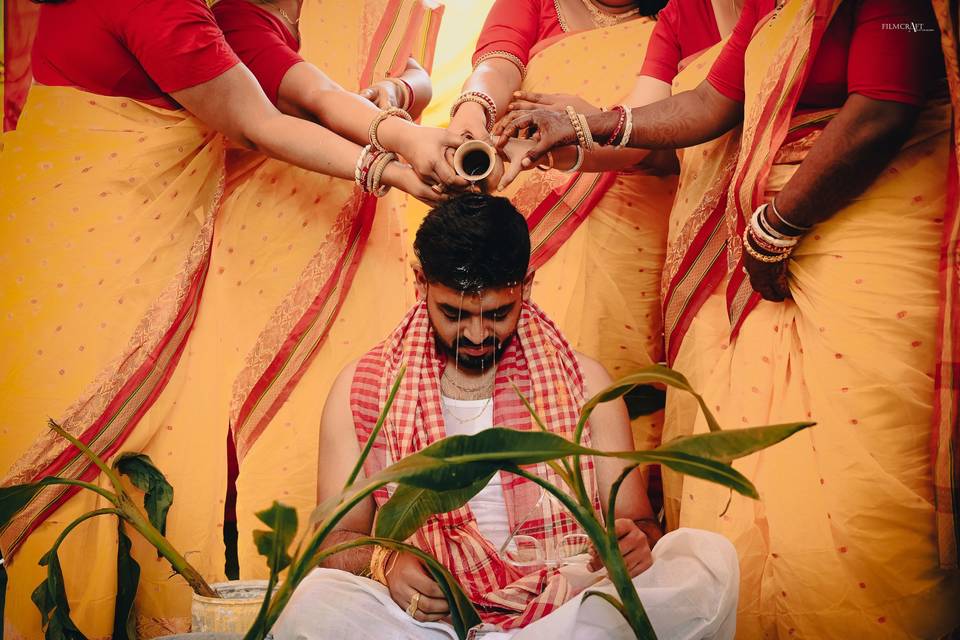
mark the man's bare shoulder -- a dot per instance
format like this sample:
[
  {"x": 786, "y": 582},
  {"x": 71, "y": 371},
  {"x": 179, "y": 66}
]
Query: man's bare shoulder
[
  {"x": 336, "y": 409},
  {"x": 595, "y": 376}
]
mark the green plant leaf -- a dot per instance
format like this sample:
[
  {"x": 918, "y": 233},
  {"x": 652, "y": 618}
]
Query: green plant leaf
[
  {"x": 726, "y": 446},
  {"x": 409, "y": 507},
  {"x": 654, "y": 374},
  {"x": 128, "y": 576},
  {"x": 50, "y": 597},
  {"x": 274, "y": 544},
  {"x": 16, "y": 497},
  {"x": 157, "y": 492},
  {"x": 463, "y": 615},
  {"x": 696, "y": 466}
]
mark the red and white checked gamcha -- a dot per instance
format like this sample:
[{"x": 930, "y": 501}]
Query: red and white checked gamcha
[{"x": 543, "y": 366}]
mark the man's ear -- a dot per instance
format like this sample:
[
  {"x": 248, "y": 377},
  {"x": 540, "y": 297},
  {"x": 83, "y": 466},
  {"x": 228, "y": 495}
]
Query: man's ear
[
  {"x": 420, "y": 282},
  {"x": 528, "y": 286}
]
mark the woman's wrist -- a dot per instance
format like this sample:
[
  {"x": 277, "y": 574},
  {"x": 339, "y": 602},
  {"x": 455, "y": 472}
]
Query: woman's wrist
[
  {"x": 470, "y": 115},
  {"x": 603, "y": 124},
  {"x": 394, "y": 175},
  {"x": 396, "y": 133}
]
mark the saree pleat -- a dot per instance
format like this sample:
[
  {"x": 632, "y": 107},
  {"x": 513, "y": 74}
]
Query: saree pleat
[
  {"x": 107, "y": 223},
  {"x": 599, "y": 250},
  {"x": 324, "y": 269},
  {"x": 843, "y": 540}
]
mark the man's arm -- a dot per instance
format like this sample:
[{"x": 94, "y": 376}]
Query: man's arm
[
  {"x": 609, "y": 424},
  {"x": 339, "y": 451}
]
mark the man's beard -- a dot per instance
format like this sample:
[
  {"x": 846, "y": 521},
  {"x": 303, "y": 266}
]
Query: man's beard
[{"x": 474, "y": 363}]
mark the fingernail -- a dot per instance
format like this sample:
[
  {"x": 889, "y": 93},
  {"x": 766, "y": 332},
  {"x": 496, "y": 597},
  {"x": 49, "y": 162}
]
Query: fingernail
[{"x": 525, "y": 162}]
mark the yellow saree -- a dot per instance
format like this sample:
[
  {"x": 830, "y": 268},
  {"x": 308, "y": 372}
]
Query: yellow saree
[
  {"x": 843, "y": 540},
  {"x": 106, "y": 231},
  {"x": 323, "y": 270},
  {"x": 598, "y": 239}
]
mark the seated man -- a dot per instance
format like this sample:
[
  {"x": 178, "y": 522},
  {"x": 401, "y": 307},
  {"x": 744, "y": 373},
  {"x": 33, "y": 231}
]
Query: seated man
[{"x": 470, "y": 338}]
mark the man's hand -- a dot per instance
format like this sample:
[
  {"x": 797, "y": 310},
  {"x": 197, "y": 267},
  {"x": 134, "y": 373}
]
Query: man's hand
[
  {"x": 634, "y": 546},
  {"x": 529, "y": 100},
  {"x": 408, "y": 577}
]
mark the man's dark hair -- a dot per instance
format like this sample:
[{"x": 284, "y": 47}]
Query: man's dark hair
[{"x": 472, "y": 242}]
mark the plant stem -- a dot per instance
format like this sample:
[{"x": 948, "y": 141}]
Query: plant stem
[
  {"x": 87, "y": 485},
  {"x": 632, "y": 609},
  {"x": 142, "y": 524},
  {"x": 90, "y": 455}
]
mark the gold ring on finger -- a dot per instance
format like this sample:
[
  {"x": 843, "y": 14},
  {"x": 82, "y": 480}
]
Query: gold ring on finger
[
  {"x": 412, "y": 608},
  {"x": 438, "y": 189}
]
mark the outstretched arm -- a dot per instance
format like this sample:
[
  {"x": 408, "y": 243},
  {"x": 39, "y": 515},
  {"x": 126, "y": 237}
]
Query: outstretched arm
[
  {"x": 234, "y": 104},
  {"x": 387, "y": 93},
  {"x": 683, "y": 120}
]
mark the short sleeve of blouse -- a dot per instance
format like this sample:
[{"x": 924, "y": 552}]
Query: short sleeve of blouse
[
  {"x": 178, "y": 43},
  {"x": 262, "y": 43},
  {"x": 511, "y": 26},
  {"x": 663, "y": 51},
  {"x": 726, "y": 74},
  {"x": 894, "y": 52}
]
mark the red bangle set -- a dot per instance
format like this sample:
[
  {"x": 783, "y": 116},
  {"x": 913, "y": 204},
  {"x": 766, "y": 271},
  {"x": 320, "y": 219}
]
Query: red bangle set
[{"x": 618, "y": 130}]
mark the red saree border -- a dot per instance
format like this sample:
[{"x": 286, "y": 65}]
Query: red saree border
[
  {"x": 776, "y": 113},
  {"x": 299, "y": 348},
  {"x": 562, "y": 212},
  {"x": 118, "y": 420},
  {"x": 945, "y": 431}
]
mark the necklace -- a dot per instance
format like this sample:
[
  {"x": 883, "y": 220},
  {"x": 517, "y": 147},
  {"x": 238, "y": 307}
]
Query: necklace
[
  {"x": 603, "y": 18},
  {"x": 283, "y": 13},
  {"x": 486, "y": 386}
]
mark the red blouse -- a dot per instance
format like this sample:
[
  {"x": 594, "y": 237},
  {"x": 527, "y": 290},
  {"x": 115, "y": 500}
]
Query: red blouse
[
  {"x": 860, "y": 53},
  {"x": 140, "y": 49},
  {"x": 515, "y": 26},
  {"x": 684, "y": 27},
  {"x": 262, "y": 41}
]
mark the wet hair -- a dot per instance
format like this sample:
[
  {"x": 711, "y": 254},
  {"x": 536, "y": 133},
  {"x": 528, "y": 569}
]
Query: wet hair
[{"x": 473, "y": 242}]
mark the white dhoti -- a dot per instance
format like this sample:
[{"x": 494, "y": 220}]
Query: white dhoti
[{"x": 689, "y": 593}]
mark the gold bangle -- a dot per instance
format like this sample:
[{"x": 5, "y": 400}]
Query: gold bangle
[
  {"x": 587, "y": 134},
  {"x": 383, "y": 115},
  {"x": 549, "y": 165},
  {"x": 577, "y": 125},
  {"x": 376, "y": 174},
  {"x": 506, "y": 55},
  {"x": 399, "y": 84},
  {"x": 760, "y": 257},
  {"x": 377, "y": 560}
]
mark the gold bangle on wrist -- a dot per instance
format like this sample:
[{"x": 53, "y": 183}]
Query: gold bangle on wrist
[{"x": 383, "y": 115}]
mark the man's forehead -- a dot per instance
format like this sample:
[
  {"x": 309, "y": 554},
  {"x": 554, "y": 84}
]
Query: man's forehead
[{"x": 489, "y": 298}]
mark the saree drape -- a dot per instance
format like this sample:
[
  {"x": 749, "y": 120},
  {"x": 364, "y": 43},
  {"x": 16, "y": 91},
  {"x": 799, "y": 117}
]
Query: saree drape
[
  {"x": 324, "y": 269},
  {"x": 106, "y": 231},
  {"x": 598, "y": 240},
  {"x": 844, "y": 539},
  {"x": 139, "y": 308}
]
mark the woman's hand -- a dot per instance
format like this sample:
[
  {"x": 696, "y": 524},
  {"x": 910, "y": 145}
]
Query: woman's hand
[
  {"x": 513, "y": 153},
  {"x": 407, "y": 579},
  {"x": 384, "y": 94},
  {"x": 529, "y": 100},
  {"x": 469, "y": 122},
  {"x": 768, "y": 279},
  {"x": 403, "y": 177},
  {"x": 430, "y": 151},
  {"x": 550, "y": 129}
]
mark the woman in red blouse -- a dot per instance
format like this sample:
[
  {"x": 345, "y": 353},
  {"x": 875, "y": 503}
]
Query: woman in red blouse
[
  {"x": 113, "y": 183},
  {"x": 812, "y": 272},
  {"x": 334, "y": 257},
  {"x": 598, "y": 238}
]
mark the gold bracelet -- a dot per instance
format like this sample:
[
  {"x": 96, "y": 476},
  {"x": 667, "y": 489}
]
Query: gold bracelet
[
  {"x": 577, "y": 126},
  {"x": 587, "y": 134},
  {"x": 376, "y": 174},
  {"x": 760, "y": 257},
  {"x": 506, "y": 55},
  {"x": 377, "y": 560},
  {"x": 383, "y": 115}
]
